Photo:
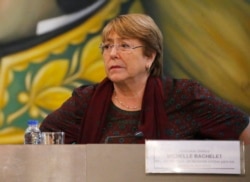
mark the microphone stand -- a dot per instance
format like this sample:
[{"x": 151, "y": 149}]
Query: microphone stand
[{"x": 137, "y": 135}]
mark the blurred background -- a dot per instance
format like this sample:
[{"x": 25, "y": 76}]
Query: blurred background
[{"x": 49, "y": 47}]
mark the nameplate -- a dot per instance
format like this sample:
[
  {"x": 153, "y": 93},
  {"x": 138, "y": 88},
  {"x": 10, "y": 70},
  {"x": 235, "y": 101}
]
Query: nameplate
[{"x": 202, "y": 157}]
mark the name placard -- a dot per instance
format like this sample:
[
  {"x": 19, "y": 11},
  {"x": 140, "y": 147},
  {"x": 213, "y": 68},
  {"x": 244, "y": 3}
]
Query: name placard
[{"x": 203, "y": 157}]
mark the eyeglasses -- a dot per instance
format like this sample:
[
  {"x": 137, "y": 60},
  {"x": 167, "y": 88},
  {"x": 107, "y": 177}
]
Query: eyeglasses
[{"x": 106, "y": 48}]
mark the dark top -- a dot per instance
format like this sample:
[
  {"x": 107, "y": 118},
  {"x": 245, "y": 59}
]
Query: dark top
[{"x": 190, "y": 111}]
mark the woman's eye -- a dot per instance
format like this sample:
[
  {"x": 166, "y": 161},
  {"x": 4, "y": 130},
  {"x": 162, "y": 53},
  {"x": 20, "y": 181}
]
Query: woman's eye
[
  {"x": 125, "y": 46},
  {"x": 107, "y": 46}
]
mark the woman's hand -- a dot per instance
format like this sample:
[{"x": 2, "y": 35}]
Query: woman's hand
[{"x": 245, "y": 135}]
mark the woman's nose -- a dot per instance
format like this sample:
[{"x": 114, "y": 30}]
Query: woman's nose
[{"x": 113, "y": 49}]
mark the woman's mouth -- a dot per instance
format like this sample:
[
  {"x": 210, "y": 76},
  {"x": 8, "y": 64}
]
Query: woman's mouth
[{"x": 114, "y": 67}]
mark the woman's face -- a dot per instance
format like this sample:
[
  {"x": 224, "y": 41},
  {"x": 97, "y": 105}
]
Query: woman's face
[{"x": 124, "y": 59}]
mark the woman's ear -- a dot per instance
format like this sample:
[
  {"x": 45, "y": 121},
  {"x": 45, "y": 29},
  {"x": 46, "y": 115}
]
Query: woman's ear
[{"x": 150, "y": 59}]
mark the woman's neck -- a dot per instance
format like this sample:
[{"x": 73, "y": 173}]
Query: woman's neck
[{"x": 128, "y": 97}]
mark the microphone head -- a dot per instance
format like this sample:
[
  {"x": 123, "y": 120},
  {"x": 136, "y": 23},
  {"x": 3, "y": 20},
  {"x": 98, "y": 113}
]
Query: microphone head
[{"x": 139, "y": 134}]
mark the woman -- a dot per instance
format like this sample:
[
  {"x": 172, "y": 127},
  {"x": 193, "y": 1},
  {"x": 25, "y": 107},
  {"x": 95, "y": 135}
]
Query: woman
[{"x": 135, "y": 102}]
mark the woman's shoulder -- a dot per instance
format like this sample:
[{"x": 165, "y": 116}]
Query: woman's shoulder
[
  {"x": 85, "y": 90},
  {"x": 185, "y": 88},
  {"x": 182, "y": 84}
]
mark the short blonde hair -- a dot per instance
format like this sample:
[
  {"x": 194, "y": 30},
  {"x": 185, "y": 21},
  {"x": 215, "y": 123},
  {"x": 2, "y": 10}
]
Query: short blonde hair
[{"x": 143, "y": 28}]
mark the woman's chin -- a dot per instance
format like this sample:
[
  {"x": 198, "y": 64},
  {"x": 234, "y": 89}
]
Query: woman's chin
[{"x": 116, "y": 79}]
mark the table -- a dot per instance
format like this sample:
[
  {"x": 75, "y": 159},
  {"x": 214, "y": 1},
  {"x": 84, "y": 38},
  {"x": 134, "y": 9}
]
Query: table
[{"x": 92, "y": 163}]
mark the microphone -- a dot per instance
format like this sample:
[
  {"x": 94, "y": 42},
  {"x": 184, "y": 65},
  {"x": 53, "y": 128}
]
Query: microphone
[
  {"x": 139, "y": 134},
  {"x": 136, "y": 135}
]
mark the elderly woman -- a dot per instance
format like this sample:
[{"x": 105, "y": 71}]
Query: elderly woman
[{"x": 136, "y": 102}]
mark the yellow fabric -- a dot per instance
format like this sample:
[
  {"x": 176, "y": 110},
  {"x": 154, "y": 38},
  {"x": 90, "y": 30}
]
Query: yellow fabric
[
  {"x": 48, "y": 88},
  {"x": 206, "y": 40},
  {"x": 209, "y": 41}
]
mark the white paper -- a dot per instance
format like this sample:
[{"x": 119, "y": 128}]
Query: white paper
[{"x": 213, "y": 157}]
